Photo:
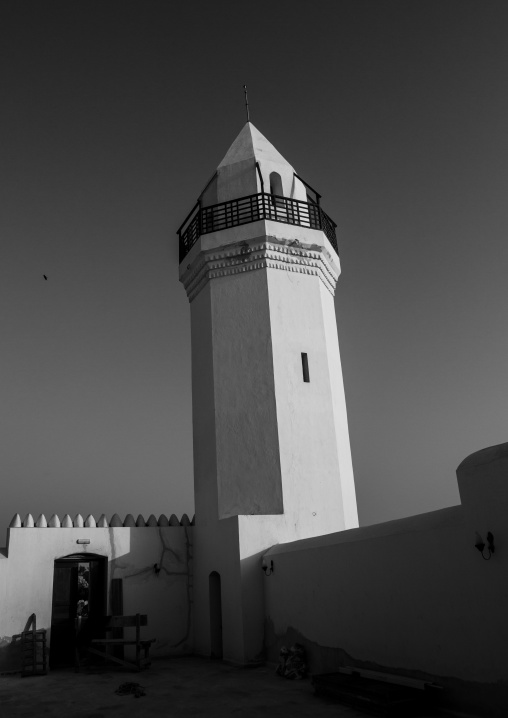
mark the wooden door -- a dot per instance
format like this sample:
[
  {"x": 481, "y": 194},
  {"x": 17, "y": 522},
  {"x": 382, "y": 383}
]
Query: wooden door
[{"x": 79, "y": 601}]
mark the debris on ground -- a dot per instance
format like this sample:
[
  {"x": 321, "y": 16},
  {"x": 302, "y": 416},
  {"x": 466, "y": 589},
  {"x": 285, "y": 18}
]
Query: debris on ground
[
  {"x": 130, "y": 688},
  {"x": 292, "y": 662}
]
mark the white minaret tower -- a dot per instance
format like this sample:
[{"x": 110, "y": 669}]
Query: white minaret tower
[{"x": 272, "y": 460}]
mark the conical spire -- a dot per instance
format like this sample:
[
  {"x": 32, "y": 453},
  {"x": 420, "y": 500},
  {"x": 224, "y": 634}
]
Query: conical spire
[
  {"x": 251, "y": 144},
  {"x": 248, "y": 168}
]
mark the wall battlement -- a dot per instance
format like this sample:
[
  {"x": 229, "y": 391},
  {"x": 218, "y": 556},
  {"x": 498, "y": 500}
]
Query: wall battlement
[{"x": 78, "y": 522}]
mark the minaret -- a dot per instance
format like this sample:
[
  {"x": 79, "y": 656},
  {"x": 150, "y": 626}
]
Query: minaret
[{"x": 272, "y": 460}]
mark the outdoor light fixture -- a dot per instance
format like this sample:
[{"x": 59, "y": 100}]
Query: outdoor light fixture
[
  {"x": 267, "y": 568},
  {"x": 480, "y": 545},
  {"x": 83, "y": 541}
]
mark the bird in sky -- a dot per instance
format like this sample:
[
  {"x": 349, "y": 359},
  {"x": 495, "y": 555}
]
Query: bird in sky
[{"x": 44, "y": 276}]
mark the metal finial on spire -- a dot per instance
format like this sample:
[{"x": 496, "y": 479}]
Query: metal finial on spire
[{"x": 246, "y": 102}]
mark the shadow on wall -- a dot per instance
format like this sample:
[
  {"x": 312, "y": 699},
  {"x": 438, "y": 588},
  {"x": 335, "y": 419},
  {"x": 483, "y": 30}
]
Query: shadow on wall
[
  {"x": 253, "y": 577},
  {"x": 10, "y": 655},
  {"x": 467, "y": 696}
]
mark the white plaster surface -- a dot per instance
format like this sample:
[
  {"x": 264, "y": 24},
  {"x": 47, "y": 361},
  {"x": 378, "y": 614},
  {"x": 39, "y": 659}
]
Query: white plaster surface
[
  {"x": 250, "y": 143},
  {"x": 412, "y": 594},
  {"x": 260, "y": 433},
  {"x": 215, "y": 541},
  {"x": 338, "y": 402},
  {"x": 247, "y": 437},
  {"x": 203, "y": 408}
]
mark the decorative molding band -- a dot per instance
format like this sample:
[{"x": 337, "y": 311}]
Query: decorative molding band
[
  {"x": 102, "y": 523},
  {"x": 259, "y": 254}
]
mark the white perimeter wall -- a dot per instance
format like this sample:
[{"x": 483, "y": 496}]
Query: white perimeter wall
[
  {"x": 26, "y": 579},
  {"x": 412, "y": 596}
]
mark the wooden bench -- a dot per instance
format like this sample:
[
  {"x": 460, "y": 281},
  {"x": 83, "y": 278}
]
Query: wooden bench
[
  {"x": 113, "y": 623},
  {"x": 377, "y": 692}
]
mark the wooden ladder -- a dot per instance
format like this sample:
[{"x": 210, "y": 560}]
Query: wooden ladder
[{"x": 33, "y": 649}]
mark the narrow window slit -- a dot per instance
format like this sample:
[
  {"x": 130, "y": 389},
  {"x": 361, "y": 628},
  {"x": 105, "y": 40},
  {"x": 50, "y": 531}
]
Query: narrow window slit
[{"x": 305, "y": 367}]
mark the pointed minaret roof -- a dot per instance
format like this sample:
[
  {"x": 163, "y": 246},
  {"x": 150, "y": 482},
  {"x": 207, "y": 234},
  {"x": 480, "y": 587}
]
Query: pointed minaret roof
[{"x": 251, "y": 144}]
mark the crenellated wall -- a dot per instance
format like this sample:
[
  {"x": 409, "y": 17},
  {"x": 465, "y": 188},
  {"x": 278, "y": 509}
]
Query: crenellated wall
[
  {"x": 90, "y": 522},
  {"x": 153, "y": 558}
]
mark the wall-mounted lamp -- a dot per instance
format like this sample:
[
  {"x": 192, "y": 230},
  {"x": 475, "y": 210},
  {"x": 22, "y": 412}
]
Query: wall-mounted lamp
[
  {"x": 83, "y": 541},
  {"x": 480, "y": 545},
  {"x": 156, "y": 569},
  {"x": 267, "y": 567}
]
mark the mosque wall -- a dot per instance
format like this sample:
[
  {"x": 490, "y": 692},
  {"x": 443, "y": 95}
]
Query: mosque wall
[
  {"x": 412, "y": 596},
  {"x": 154, "y": 563}
]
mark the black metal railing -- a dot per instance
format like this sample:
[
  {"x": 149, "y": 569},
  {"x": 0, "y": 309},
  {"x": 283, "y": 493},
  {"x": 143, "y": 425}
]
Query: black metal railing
[{"x": 203, "y": 220}]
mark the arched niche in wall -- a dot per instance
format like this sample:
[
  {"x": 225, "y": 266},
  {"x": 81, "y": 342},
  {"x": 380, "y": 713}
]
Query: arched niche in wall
[
  {"x": 277, "y": 192},
  {"x": 276, "y": 184}
]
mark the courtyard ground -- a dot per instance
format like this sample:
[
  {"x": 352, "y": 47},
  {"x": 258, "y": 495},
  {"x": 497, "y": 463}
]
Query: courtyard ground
[{"x": 173, "y": 687}]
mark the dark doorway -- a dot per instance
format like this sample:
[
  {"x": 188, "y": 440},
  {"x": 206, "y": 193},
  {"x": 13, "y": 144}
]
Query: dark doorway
[
  {"x": 215, "y": 616},
  {"x": 79, "y": 605}
]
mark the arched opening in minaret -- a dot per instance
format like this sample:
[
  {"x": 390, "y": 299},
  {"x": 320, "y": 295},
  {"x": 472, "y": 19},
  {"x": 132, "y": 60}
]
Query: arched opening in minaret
[
  {"x": 276, "y": 184},
  {"x": 279, "y": 209},
  {"x": 215, "y": 615}
]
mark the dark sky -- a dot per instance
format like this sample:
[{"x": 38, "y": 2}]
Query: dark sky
[{"x": 113, "y": 115}]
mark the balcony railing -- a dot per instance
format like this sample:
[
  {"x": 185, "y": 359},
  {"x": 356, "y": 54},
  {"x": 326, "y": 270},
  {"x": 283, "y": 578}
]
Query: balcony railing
[{"x": 203, "y": 220}]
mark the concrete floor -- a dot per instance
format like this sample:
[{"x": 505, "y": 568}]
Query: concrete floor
[{"x": 174, "y": 687}]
